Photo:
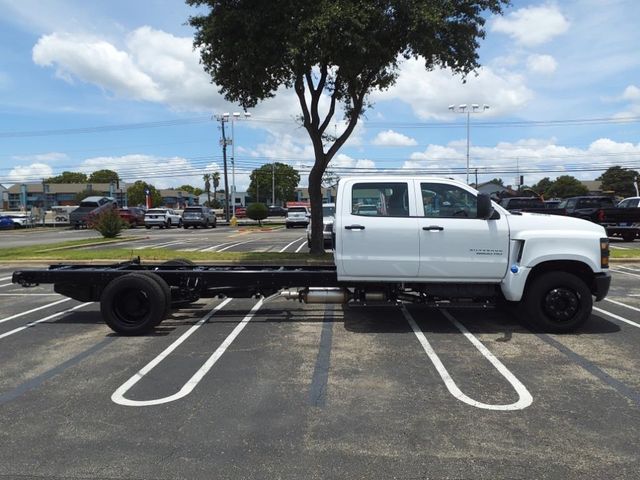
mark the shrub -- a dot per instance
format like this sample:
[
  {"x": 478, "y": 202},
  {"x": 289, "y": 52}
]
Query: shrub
[
  {"x": 257, "y": 211},
  {"x": 109, "y": 223}
]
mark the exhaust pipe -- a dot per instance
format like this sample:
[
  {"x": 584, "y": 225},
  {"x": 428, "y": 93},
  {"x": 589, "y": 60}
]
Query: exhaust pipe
[{"x": 318, "y": 295}]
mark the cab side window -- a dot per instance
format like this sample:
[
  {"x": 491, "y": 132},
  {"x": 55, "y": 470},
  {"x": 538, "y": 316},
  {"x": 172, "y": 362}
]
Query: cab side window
[
  {"x": 447, "y": 201},
  {"x": 384, "y": 199}
]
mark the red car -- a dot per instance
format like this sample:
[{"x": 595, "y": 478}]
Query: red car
[{"x": 134, "y": 216}]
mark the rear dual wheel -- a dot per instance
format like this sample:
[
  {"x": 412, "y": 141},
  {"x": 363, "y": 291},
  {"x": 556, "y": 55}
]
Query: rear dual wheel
[{"x": 135, "y": 303}]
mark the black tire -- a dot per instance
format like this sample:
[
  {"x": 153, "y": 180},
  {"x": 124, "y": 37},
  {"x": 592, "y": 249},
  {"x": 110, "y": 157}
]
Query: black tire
[
  {"x": 133, "y": 304},
  {"x": 556, "y": 302},
  {"x": 214, "y": 224},
  {"x": 148, "y": 227},
  {"x": 629, "y": 236},
  {"x": 166, "y": 290}
]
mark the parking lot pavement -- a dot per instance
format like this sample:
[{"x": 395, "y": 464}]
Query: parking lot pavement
[{"x": 241, "y": 389}]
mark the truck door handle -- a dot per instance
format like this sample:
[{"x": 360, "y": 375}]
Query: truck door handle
[
  {"x": 354, "y": 227},
  {"x": 433, "y": 227}
]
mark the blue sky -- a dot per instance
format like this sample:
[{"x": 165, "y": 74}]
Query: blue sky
[{"x": 92, "y": 85}]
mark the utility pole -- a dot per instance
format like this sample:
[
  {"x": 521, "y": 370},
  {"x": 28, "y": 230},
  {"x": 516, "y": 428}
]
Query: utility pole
[
  {"x": 222, "y": 119},
  {"x": 273, "y": 183}
]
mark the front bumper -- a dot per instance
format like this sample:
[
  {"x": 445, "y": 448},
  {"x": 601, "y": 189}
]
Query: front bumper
[{"x": 600, "y": 285}]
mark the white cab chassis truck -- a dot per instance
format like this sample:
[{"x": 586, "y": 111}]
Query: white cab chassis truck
[{"x": 425, "y": 240}]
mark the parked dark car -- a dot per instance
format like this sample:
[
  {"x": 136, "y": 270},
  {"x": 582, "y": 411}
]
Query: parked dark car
[
  {"x": 89, "y": 209},
  {"x": 6, "y": 223},
  {"x": 134, "y": 216},
  {"x": 277, "y": 211},
  {"x": 198, "y": 216}
]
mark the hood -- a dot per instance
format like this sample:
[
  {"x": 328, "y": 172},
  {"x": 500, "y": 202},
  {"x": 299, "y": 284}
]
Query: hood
[{"x": 544, "y": 223}]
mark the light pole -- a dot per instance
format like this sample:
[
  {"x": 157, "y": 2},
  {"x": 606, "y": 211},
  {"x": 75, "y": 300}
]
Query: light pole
[
  {"x": 464, "y": 108},
  {"x": 233, "y": 117}
]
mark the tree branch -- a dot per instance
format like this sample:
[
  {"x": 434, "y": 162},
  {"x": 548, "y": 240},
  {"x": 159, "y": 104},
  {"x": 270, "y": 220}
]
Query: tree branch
[{"x": 299, "y": 88}]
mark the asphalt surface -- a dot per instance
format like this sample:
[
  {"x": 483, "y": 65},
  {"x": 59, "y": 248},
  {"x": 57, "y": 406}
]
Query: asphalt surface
[{"x": 288, "y": 390}]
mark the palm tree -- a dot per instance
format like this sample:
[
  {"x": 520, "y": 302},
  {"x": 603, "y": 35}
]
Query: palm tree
[
  {"x": 207, "y": 187},
  {"x": 215, "y": 176}
]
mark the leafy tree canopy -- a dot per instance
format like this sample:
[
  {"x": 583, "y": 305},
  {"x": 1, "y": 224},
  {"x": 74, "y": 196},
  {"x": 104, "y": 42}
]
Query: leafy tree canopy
[
  {"x": 257, "y": 211},
  {"x": 567, "y": 186},
  {"x": 286, "y": 181},
  {"x": 191, "y": 189},
  {"x": 543, "y": 187},
  {"x": 68, "y": 177},
  {"x": 136, "y": 195},
  {"x": 343, "y": 49},
  {"x": 104, "y": 176},
  {"x": 620, "y": 181}
]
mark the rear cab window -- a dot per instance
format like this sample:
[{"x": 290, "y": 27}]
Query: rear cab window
[{"x": 384, "y": 199}]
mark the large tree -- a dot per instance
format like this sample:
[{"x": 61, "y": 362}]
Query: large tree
[
  {"x": 68, "y": 177},
  {"x": 567, "y": 186},
  {"x": 620, "y": 181},
  {"x": 136, "y": 195},
  {"x": 104, "y": 176},
  {"x": 344, "y": 49},
  {"x": 284, "y": 177}
]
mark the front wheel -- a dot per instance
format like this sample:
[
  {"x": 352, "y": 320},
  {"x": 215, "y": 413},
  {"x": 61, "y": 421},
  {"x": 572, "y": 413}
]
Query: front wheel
[
  {"x": 628, "y": 236},
  {"x": 556, "y": 302}
]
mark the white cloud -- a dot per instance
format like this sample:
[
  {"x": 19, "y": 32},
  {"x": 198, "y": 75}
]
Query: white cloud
[
  {"x": 42, "y": 157},
  {"x": 532, "y": 26},
  {"x": 430, "y": 93},
  {"x": 95, "y": 61},
  {"x": 534, "y": 158},
  {"x": 162, "y": 172},
  {"x": 543, "y": 64},
  {"x": 391, "y": 138},
  {"x": 631, "y": 93},
  {"x": 28, "y": 173}
]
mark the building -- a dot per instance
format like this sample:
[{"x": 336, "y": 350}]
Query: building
[
  {"x": 328, "y": 194},
  {"x": 26, "y": 196},
  {"x": 177, "y": 199},
  {"x": 4, "y": 197}
]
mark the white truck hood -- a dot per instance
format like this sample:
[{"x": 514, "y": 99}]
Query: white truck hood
[{"x": 527, "y": 224}]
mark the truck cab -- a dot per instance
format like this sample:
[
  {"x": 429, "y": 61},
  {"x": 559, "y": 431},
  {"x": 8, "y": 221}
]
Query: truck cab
[{"x": 439, "y": 235}]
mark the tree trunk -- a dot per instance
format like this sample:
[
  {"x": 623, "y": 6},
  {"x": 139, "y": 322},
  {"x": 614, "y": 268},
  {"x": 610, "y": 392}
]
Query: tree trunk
[{"x": 315, "y": 197}]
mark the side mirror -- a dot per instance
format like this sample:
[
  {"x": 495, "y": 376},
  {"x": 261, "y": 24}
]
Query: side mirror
[{"x": 485, "y": 210}]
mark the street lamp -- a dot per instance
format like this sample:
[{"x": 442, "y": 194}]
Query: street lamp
[
  {"x": 464, "y": 108},
  {"x": 233, "y": 117}
]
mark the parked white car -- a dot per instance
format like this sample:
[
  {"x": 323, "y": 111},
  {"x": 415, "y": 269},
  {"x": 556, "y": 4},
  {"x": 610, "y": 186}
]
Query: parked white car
[
  {"x": 328, "y": 213},
  {"x": 162, "y": 218},
  {"x": 297, "y": 216}
]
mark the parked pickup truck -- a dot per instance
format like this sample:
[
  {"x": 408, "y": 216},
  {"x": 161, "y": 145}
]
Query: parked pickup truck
[
  {"x": 90, "y": 208},
  {"x": 430, "y": 240},
  {"x": 623, "y": 220}
]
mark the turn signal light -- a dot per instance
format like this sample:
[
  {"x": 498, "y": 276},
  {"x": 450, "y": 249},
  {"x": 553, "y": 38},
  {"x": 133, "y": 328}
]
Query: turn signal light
[{"x": 604, "y": 252}]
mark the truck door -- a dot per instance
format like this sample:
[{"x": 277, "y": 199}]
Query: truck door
[
  {"x": 454, "y": 243},
  {"x": 378, "y": 235}
]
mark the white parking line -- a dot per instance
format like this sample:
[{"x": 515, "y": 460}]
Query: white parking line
[
  {"x": 524, "y": 397},
  {"x": 34, "y": 310},
  {"x": 296, "y": 240},
  {"x": 615, "y": 247},
  {"x": 31, "y": 324},
  {"x": 29, "y": 294},
  {"x": 4, "y": 278},
  {"x": 187, "y": 388},
  {"x": 234, "y": 245},
  {"x": 209, "y": 249},
  {"x": 618, "y": 317},
  {"x": 303, "y": 244},
  {"x": 6, "y": 284},
  {"x": 626, "y": 273}
]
